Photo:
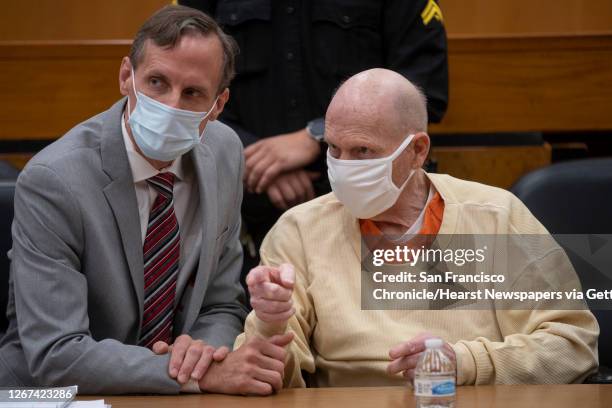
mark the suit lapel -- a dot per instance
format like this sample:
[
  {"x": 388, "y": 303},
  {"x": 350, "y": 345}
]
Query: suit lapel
[
  {"x": 121, "y": 197},
  {"x": 206, "y": 177}
]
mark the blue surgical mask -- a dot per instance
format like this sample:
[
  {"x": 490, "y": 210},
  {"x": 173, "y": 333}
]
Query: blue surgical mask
[{"x": 162, "y": 132}]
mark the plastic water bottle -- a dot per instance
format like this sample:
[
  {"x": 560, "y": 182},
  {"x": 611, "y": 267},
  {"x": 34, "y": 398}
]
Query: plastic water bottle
[{"x": 434, "y": 377}]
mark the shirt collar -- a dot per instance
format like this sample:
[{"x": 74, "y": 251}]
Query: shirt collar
[{"x": 142, "y": 170}]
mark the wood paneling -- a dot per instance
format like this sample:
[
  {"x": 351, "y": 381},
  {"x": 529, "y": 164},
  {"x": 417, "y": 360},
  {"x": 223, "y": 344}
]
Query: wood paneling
[
  {"x": 526, "y": 17},
  {"x": 544, "y": 83},
  {"x": 48, "y": 87},
  {"x": 118, "y": 19},
  {"x": 500, "y": 166},
  {"x": 496, "y": 84},
  {"x": 74, "y": 19},
  {"x": 17, "y": 160}
]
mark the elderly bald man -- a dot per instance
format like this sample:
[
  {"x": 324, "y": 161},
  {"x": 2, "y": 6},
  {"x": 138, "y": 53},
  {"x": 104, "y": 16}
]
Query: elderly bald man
[{"x": 309, "y": 283}]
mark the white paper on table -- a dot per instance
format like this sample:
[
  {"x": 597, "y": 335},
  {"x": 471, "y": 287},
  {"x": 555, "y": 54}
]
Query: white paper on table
[{"x": 88, "y": 404}]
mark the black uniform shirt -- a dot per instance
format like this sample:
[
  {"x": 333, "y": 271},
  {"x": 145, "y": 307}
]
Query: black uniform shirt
[{"x": 295, "y": 53}]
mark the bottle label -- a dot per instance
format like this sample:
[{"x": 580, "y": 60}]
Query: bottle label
[{"x": 443, "y": 387}]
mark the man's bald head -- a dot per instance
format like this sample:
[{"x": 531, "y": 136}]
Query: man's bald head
[{"x": 379, "y": 99}]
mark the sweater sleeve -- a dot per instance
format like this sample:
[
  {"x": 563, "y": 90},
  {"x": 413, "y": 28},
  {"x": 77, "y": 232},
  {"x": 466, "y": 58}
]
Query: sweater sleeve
[
  {"x": 551, "y": 343},
  {"x": 283, "y": 245}
]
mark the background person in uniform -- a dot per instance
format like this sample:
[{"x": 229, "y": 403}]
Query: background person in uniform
[{"x": 293, "y": 55}]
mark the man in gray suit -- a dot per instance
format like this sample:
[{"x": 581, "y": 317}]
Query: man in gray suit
[{"x": 126, "y": 259}]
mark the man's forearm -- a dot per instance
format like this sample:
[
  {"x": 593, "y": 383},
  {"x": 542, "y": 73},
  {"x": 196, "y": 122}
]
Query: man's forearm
[
  {"x": 217, "y": 329},
  {"x": 105, "y": 367}
]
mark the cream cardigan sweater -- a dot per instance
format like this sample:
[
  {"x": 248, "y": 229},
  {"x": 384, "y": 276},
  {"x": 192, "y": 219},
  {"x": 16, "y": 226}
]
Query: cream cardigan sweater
[{"x": 339, "y": 344}]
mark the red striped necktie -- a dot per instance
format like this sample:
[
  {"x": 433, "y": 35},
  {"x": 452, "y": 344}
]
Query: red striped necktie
[{"x": 161, "y": 250}]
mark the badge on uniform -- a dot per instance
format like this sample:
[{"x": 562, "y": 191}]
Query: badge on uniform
[{"x": 431, "y": 11}]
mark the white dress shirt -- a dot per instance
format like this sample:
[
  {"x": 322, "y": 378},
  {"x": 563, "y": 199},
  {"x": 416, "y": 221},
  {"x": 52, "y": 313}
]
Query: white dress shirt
[{"x": 186, "y": 206}]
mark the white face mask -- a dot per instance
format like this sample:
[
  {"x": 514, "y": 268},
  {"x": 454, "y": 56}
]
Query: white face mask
[
  {"x": 161, "y": 131},
  {"x": 366, "y": 187}
]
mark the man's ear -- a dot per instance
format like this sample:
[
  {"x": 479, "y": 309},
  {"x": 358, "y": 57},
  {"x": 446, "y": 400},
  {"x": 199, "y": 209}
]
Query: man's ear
[
  {"x": 218, "y": 108},
  {"x": 125, "y": 73},
  {"x": 421, "y": 145}
]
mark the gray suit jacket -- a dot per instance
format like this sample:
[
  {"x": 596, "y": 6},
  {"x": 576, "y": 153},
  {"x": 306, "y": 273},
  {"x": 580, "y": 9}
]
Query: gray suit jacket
[{"x": 76, "y": 286}]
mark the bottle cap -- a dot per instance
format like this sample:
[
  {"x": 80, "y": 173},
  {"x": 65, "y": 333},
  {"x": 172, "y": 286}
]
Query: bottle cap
[{"x": 433, "y": 343}]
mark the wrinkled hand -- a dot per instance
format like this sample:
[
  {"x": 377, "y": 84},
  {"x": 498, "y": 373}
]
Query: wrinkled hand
[
  {"x": 292, "y": 188},
  {"x": 256, "y": 368},
  {"x": 189, "y": 358},
  {"x": 405, "y": 356},
  {"x": 269, "y": 157},
  {"x": 271, "y": 290}
]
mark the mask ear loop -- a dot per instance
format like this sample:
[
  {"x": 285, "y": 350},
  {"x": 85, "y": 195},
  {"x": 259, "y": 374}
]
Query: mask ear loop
[
  {"x": 205, "y": 116},
  {"x": 402, "y": 147},
  {"x": 135, "y": 93},
  {"x": 395, "y": 155}
]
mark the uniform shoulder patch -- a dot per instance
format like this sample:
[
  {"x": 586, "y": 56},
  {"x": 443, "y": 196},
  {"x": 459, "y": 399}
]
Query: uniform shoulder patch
[{"x": 430, "y": 12}]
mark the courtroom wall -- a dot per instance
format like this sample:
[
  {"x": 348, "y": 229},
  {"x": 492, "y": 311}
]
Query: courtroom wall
[{"x": 119, "y": 19}]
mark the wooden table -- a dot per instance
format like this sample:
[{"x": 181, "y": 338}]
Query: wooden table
[{"x": 511, "y": 396}]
